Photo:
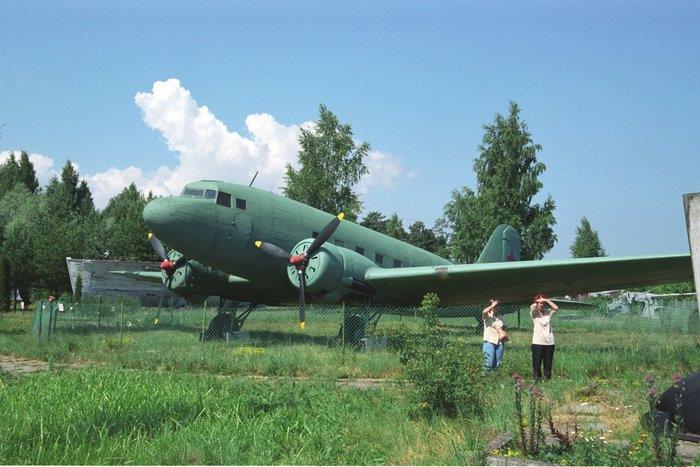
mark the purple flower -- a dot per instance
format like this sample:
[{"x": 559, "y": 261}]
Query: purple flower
[
  {"x": 649, "y": 378},
  {"x": 651, "y": 393},
  {"x": 519, "y": 384},
  {"x": 516, "y": 376},
  {"x": 537, "y": 392},
  {"x": 677, "y": 378}
]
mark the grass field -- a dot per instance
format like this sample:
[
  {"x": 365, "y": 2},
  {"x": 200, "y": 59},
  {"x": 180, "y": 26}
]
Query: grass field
[{"x": 163, "y": 397}]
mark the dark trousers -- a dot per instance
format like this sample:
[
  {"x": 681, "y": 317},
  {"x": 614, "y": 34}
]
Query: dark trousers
[{"x": 542, "y": 353}]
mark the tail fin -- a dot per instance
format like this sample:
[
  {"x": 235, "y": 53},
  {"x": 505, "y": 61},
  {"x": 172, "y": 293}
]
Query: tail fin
[{"x": 504, "y": 245}]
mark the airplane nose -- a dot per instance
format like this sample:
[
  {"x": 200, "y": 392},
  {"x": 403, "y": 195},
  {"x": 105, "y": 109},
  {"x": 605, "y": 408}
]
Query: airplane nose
[{"x": 158, "y": 214}]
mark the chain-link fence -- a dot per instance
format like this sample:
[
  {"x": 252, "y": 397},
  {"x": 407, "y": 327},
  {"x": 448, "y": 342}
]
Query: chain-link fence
[{"x": 365, "y": 327}]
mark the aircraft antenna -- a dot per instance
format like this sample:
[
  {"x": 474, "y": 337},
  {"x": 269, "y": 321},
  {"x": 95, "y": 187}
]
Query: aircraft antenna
[{"x": 251, "y": 182}]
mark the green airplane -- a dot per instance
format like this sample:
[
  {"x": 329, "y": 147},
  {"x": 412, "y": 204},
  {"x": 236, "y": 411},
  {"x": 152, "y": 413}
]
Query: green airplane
[{"x": 264, "y": 248}]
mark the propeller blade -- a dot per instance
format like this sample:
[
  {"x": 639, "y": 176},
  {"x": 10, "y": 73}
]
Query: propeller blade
[
  {"x": 181, "y": 261},
  {"x": 160, "y": 303},
  {"x": 273, "y": 250},
  {"x": 325, "y": 234},
  {"x": 155, "y": 243},
  {"x": 302, "y": 299}
]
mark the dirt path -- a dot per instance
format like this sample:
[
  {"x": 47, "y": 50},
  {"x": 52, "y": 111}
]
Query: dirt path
[{"x": 18, "y": 366}]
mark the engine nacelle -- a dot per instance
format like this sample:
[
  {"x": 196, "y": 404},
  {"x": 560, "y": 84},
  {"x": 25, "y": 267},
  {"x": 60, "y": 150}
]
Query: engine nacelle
[
  {"x": 332, "y": 272},
  {"x": 195, "y": 278}
]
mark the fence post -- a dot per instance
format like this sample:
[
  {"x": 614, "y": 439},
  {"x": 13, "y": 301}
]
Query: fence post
[
  {"x": 204, "y": 320},
  {"x": 343, "y": 336},
  {"x": 41, "y": 312},
  {"x": 121, "y": 323}
]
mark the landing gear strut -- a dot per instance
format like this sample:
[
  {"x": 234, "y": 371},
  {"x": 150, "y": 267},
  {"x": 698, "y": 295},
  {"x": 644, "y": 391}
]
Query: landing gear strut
[
  {"x": 352, "y": 331},
  {"x": 227, "y": 321}
]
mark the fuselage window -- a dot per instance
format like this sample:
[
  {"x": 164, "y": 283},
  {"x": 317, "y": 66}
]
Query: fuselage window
[
  {"x": 379, "y": 259},
  {"x": 397, "y": 263},
  {"x": 240, "y": 203},
  {"x": 193, "y": 193},
  {"x": 224, "y": 199},
  {"x": 360, "y": 250},
  {"x": 210, "y": 194}
]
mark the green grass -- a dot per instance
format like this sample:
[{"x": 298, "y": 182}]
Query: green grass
[
  {"x": 97, "y": 416},
  {"x": 158, "y": 398}
]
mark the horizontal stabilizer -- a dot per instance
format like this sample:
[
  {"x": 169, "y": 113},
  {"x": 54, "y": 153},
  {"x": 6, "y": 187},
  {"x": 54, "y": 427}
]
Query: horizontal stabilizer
[{"x": 155, "y": 277}]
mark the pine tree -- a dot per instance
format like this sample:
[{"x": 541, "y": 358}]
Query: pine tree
[
  {"x": 586, "y": 244},
  {"x": 507, "y": 173},
  {"x": 9, "y": 172},
  {"x": 125, "y": 233},
  {"x": 394, "y": 227},
  {"x": 26, "y": 172},
  {"x": 376, "y": 221}
]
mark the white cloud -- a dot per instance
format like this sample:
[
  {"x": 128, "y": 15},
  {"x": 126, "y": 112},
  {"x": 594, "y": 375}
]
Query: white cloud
[
  {"x": 207, "y": 149},
  {"x": 384, "y": 170}
]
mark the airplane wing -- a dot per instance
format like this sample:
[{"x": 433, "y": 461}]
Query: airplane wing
[
  {"x": 519, "y": 281},
  {"x": 155, "y": 277}
]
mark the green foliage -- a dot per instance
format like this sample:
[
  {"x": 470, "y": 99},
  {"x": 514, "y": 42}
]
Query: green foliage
[
  {"x": 9, "y": 173},
  {"x": 109, "y": 416},
  {"x": 26, "y": 173},
  {"x": 428, "y": 310},
  {"x": 507, "y": 173},
  {"x": 586, "y": 244},
  {"x": 445, "y": 375},
  {"x": 418, "y": 234},
  {"x": 394, "y": 228},
  {"x": 528, "y": 426},
  {"x": 68, "y": 226},
  {"x": 125, "y": 233},
  {"x": 376, "y": 221},
  {"x": 427, "y": 239},
  {"x": 674, "y": 288},
  {"x": 330, "y": 165},
  {"x": 5, "y": 283}
]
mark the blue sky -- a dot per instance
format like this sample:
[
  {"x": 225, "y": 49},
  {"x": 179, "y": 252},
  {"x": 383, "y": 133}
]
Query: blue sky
[{"x": 164, "y": 92}]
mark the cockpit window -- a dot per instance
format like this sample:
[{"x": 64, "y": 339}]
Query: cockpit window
[
  {"x": 193, "y": 193},
  {"x": 224, "y": 199},
  {"x": 240, "y": 203},
  {"x": 210, "y": 194}
]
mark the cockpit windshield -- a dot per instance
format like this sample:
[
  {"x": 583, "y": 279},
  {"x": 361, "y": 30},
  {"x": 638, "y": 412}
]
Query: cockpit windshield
[{"x": 199, "y": 193}]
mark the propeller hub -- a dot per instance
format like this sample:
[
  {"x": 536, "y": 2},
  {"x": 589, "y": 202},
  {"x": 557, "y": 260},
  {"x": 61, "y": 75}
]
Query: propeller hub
[{"x": 168, "y": 266}]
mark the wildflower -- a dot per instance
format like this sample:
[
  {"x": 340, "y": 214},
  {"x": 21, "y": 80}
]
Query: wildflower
[
  {"x": 537, "y": 392},
  {"x": 519, "y": 384},
  {"x": 651, "y": 393},
  {"x": 649, "y": 378},
  {"x": 516, "y": 377},
  {"x": 677, "y": 378}
]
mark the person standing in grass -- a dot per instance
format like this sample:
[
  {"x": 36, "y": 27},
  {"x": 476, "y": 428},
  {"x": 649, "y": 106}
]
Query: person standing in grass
[
  {"x": 541, "y": 312},
  {"x": 494, "y": 336}
]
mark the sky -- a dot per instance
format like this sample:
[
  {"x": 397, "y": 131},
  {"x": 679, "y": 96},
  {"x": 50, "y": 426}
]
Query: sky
[{"x": 163, "y": 93}]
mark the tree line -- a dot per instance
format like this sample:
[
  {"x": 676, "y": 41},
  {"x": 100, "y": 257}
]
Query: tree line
[{"x": 41, "y": 226}]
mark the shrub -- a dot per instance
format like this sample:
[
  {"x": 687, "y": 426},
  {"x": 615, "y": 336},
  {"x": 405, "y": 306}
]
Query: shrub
[{"x": 446, "y": 376}]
